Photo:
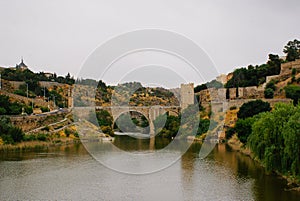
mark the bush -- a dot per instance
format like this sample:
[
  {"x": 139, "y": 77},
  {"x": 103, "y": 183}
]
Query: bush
[
  {"x": 9, "y": 133},
  {"x": 252, "y": 108},
  {"x": 28, "y": 110},
  {"x": 45, "y": 109},
  {"x": 269, "y": 93},
  {"x": 2, "y": 111},
  {"x": 232, "y": 107},
  {"x": 46, "y": 128},
  {"x": 275, "y": 139},
  {"x": 293, "y": 92},
  {"x": 29, "y": 137},
  {"x": 67, "y": 132},
  {"x": 243, "y": 128},
  {"x": 41, "y": 137},
  {"x": 271, "y": 85},
  {"x": 20, "y": 92},
  {"x": 229, "y": 133},
  {"x": 107, "y": 130}
]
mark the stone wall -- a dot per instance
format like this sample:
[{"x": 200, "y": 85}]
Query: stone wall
[
  {"x": 27, "y": 123},
  {"x": 286, "y": 68},
  {"x": 16, "y": 84},
  {"x": 21, "y": 99}
]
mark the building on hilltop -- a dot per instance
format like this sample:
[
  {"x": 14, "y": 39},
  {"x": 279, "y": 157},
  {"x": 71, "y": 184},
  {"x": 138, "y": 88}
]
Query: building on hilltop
[{"x": 22, "y": 66}]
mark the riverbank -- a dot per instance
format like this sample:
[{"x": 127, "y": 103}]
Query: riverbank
[
  {"x": 38, "y": 145},
  {"x": 236, "y": 145}
]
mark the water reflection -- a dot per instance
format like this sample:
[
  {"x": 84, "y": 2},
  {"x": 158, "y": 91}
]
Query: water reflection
[{"x": 70, "y": 173}]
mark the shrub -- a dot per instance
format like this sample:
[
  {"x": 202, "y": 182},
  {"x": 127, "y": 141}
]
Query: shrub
[
  {"x": 29, "y": 137},
  {"x": 293, "y": 92},
  {"x": 41, "y": 137},
  {"x": 45, "y": 109},
  {"x": 232, "y": 107},
  {"x": 271, "y": 85},
  {"x": 229, "y": 133},
  {"x": 252, "y": 108},
  {"x": 269, "y": 93},
  {"x": 2, "y": 111},
  {"x": 67, "y": 132},
  {"x": 46, "y": 128},
  {"x": 243, "y": 128}
]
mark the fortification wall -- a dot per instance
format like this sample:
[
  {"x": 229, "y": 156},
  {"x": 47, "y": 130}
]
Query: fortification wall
[
  {"x": 25, "y": 100},
  {"x": 27, "y": 123},
  {"x": 186, "y": 95},
  {"x": 286, "y": 68},
  {"x": 50, "y": 84}
]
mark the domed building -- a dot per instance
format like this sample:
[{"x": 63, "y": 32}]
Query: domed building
[{"x": 22, "y": 66}]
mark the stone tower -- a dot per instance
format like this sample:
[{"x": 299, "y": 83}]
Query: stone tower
[{"x": 186, "y": 95}]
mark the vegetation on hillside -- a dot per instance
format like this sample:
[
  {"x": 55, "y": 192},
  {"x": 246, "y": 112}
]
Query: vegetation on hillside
[
  {"x": 292, "y": 50},
  {"x": 273, "y": 136},
  {"x": 293, "y": 92},
  {"x": 12, "y": 108},
  {"x": 255, "y": 75},
  {"x": 28, "y": 75},
  {"x": 275, "y": 139},
  {"x": 212, "y": 84},
  {"x": 9, "y": 134},
  {"x": 252, "y": 108}
]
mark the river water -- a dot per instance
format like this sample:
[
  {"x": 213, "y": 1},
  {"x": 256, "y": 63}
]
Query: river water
[{"x": 71, "y": 173}]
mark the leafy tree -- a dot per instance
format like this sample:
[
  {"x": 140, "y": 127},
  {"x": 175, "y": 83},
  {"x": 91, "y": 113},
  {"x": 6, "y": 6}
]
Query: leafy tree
[
  {"x": 252, "y": 108},
  {"x": 203, "y": 126},
  {"x": 292, "y": 50},
  {"x": 212, "y": 84},
  {"x": 16, "y": 134},
  {"x": 9, "y": 133},
  {"x": 291, "y": 136},
  {"x": 15, "y": 108},
  {"x": 275, "y": 138},
  {"x": 199, "y": 88},
  {"x": 167, "y": 126},
  {"x": 269, "y": 93},
  {"x": 254, "y": 75},
  {"x": 243, "y": 128},
  {"x": 293, "y": 92},
  {"x": 271, "y": 85},
  {"x": 2, "y": 111},
  {"x": 104, "y": 118}
]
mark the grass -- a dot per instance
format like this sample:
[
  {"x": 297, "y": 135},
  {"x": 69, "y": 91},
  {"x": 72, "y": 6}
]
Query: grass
[{"x": 36, "y": 145}]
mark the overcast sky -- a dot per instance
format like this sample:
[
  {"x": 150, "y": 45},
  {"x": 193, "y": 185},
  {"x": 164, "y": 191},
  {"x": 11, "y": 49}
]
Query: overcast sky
[{"x": 57, "y": 35}]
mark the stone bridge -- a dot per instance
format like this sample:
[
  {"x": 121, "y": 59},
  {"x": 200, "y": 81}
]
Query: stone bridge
[{"x": 150, "y": 112}]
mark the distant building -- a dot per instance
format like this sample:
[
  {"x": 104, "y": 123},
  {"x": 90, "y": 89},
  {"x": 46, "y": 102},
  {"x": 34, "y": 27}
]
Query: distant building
[
  {"x": 22, "y": 66},
  {"x": 48, "y": 75}
]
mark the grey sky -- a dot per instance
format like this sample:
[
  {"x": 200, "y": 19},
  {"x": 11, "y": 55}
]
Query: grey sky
[{"x": 57, "y": 35}]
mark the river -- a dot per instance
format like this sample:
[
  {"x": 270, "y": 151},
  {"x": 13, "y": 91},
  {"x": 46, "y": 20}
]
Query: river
[{"x": 71, "y": 173}]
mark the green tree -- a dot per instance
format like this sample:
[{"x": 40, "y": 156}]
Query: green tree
[
  {"x": 243, "y": 128},
  {"x": 292, "y": 50},
  {"x": 252, "y": 108},
  {"x": 104, "y": 118},
  {"x": 268, "y": 139},
  {"x": 203, "y": 126},
  {"x": 2, "y": 111},
  {"x": 293, "y": 92},
  {"x": 269, "y": 93},
  {"x": 291, "y": 136},
  {"x": 167, "y": 126}
]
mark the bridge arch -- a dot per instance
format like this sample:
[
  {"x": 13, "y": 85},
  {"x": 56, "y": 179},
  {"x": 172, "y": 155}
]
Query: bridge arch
[{"x": 150, "y": 112}]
